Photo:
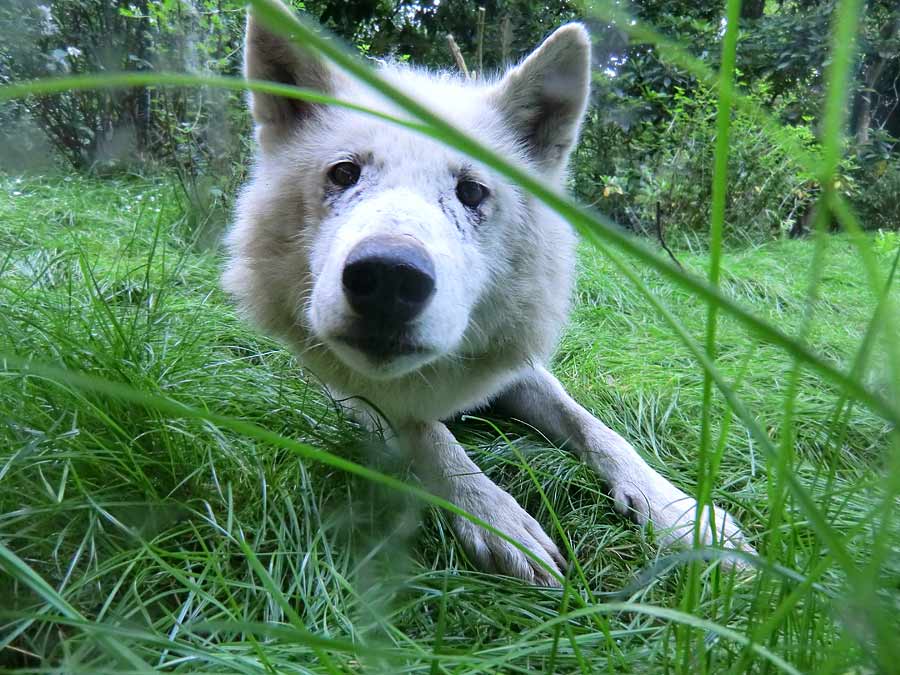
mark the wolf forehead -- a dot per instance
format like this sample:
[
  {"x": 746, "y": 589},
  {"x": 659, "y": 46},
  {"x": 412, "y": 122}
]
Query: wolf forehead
[
  {"x": 333, "y": 133},
  {"x": 532, "y": 113}
]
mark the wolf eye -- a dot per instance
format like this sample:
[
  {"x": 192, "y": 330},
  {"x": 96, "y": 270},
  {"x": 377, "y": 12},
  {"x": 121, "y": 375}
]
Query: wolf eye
[
  {"x": 344, "y": 174},
  {"x": 470, "y": 193}
]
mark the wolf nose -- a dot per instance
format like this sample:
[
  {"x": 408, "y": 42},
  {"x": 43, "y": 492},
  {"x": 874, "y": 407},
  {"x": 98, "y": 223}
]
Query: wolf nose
[{"x": 388, "y": 279}]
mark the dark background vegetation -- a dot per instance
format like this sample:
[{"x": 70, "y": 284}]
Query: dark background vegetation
[{"x": 646, "y": 152}]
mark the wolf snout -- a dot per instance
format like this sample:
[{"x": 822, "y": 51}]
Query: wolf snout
[{"x": 388, "y": 280}]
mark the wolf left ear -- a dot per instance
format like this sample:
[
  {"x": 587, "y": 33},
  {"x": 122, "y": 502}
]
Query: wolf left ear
[
  {"x": 544, "y": 97},
  {"x": 272, "y": 57}
]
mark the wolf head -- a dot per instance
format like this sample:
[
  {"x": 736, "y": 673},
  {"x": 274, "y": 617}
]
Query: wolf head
[{"x": 382, "y": 255}]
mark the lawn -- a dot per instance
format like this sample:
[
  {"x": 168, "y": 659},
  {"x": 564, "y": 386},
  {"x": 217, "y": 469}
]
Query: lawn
[{"x": 137, "y": 536}]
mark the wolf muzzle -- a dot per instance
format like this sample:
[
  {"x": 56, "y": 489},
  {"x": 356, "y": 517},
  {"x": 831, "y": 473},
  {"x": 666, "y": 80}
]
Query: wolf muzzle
[{"x": 388, "y": 280}]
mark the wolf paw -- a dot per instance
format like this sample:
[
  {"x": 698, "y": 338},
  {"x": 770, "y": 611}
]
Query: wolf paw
[
  {"x": 491, "y": 553},
  {"x": 653, "y": 499}
]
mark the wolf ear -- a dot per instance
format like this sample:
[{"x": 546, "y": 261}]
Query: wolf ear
[
  {"x": 274, "y": 58},
  {"x": 544, "y": 98}
]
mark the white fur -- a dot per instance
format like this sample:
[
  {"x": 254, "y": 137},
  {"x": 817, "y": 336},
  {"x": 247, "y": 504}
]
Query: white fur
[{"x": 503, "y": 275}]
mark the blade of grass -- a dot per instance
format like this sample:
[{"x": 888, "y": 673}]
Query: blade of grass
[
  {"x": 674, "y": 616},
  {"x": 842, "y": 46},
  {"x": 18, "y": 569},
  {"x": 275, "y": 593},
  {"x": 817, "y": 519},
  {"x": 169, "y": 406},
  {"x": 705, "y": 479}
]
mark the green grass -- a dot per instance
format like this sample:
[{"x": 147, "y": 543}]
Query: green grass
[
  {"x": 160, "y": 516},
  {"x": 166, "y": 541}
]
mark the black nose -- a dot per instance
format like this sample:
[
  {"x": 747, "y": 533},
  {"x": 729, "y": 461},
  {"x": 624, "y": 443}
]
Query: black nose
[{"x": 388, "y": 280}]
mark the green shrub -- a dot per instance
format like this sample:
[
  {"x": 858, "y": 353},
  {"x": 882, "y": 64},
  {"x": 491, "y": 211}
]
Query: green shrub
[
  {"x": 661, "y": 175},
  {"x": 878, "y": 201}
]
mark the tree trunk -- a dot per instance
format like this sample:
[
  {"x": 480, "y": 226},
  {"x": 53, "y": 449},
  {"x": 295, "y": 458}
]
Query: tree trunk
[
  {"x": 864, "y": 102},
  {"x": 874, "y": 71}
]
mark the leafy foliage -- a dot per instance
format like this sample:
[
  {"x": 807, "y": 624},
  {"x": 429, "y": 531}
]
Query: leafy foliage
[
  {"x": 645, "y": 152},
  {"x": 74, "y": 37},
  {"x": 662, "y": 177}
]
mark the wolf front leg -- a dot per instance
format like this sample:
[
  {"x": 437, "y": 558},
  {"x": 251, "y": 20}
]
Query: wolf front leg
[
  {"x": 638, "y": 491},
  {"x": 445, "y": 469}
]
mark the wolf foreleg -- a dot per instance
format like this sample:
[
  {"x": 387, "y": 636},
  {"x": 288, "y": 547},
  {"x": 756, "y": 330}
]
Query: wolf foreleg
[
  {"x": 445, "y": 469},
  {"x": 637, "y": 491}
]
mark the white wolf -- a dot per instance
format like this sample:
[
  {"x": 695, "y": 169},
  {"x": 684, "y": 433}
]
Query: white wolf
[{"x": 406, "y": 274}]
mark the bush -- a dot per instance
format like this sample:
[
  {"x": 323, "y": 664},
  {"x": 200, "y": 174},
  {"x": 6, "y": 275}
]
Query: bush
[
  {"x": 192, "y": 131},
  {"x": 80, "y": 36},
  {"x": 878, "y": 202},
  {"x": 662, "y": 175}
]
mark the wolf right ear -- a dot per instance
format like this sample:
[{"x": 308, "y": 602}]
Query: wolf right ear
[
  {"x": 544, "y": 98},
  {"x": 274, "y": 58}
]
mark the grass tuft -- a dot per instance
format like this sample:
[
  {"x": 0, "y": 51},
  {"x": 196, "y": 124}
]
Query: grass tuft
[{"x": 135, "y": 538}]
